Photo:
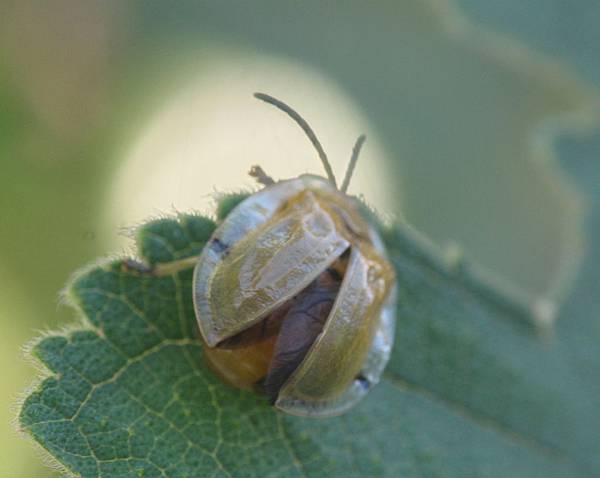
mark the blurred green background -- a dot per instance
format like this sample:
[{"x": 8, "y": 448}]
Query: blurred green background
[{"x": 111, "y": 112}]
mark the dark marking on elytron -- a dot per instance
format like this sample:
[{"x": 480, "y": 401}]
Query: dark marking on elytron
[
  {"x": 131, "y": 265},
  {"x": 219, "y": 246},
  {"x": 363, "y": 381}
]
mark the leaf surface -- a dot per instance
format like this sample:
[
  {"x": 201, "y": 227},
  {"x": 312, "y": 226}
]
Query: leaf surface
[{"x": 471, "y": 390}]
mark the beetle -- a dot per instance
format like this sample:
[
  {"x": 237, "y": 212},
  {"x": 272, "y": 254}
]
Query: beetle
[{"x": 294, "y": 295}]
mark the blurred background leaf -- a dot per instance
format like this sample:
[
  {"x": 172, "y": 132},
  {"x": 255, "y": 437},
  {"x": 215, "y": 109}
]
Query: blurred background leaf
[{"x": 455, "y": 112}]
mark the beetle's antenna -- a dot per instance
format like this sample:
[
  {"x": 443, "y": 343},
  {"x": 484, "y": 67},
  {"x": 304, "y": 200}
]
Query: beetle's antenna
[
  {"x": 305, "y": 127},
  {"x": 353, "y": 159}
]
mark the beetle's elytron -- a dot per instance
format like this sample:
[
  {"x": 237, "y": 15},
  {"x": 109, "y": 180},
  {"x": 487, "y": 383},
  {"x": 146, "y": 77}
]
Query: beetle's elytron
[{"x": 294, "y": 294}]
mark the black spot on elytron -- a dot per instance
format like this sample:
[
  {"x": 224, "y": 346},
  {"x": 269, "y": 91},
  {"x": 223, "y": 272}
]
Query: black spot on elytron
[
  {"x": 363, "y": 381},
  {"x": 218, "y": 246}
]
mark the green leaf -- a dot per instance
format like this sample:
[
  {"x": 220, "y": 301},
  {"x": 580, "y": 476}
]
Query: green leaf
[{"x": 471, "y": 390}]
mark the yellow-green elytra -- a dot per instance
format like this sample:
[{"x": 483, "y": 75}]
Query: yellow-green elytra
[{"x": 294, "y": 294}]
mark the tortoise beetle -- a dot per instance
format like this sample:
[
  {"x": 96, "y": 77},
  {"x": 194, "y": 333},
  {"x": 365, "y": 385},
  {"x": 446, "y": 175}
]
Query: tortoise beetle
[{"x": 294, "y": 294}]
